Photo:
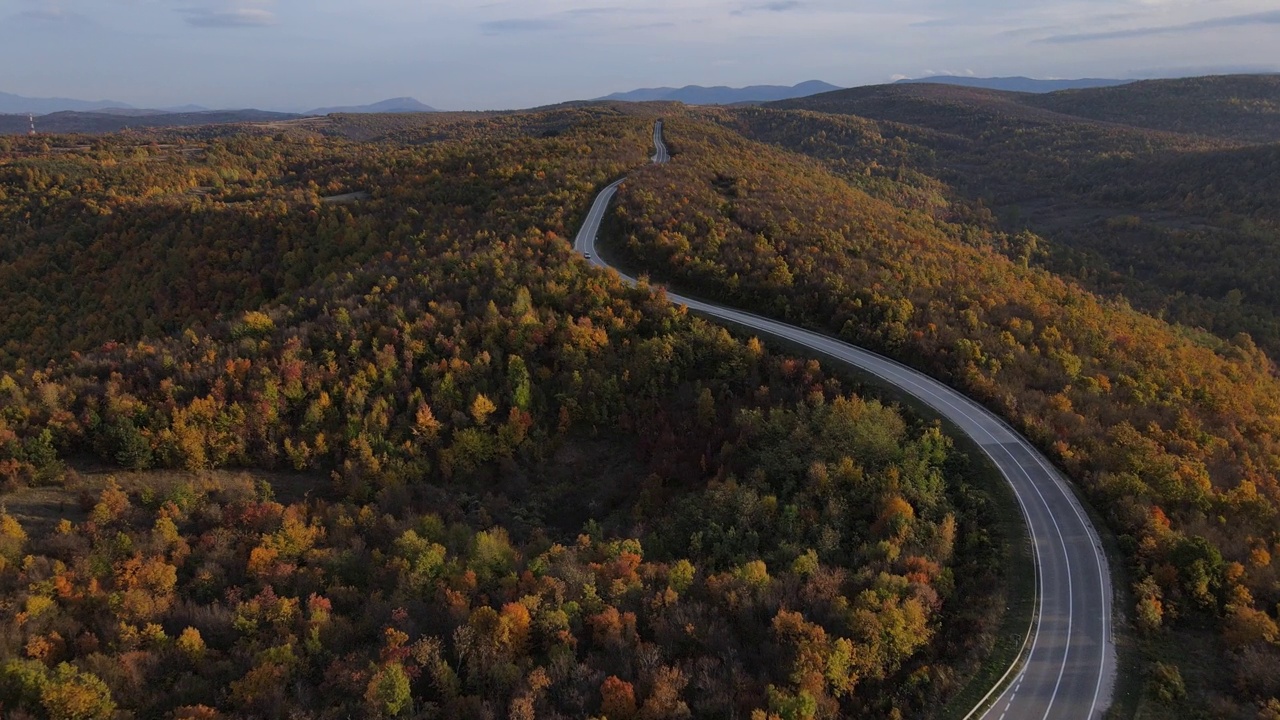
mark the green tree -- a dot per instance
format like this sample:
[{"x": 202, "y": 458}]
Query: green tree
[
  {"x": 388, "y": 692},
  {"x": 518, "y": 377},
  {"x": 22, "y": 684},
  {"x": 76, "y": 695},
  {"x": 129, "y": 446}
]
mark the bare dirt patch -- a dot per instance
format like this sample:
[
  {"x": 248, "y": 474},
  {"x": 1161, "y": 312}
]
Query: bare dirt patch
[{"x": 40, "y": 509}]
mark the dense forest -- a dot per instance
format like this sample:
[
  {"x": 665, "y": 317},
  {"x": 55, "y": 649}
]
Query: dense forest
[
  {"x": 1172, "y": 432},
  {"x": 326, "y": 419},
  {"x": 483, "y": 479}
]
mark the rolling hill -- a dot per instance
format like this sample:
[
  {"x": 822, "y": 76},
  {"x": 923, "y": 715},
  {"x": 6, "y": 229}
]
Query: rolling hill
[
  {"x": 1237, "y": 108},
  {"x": 1014, "y": 84},
  {"x": 1125, "y": 401},
  {"x": 945, "y": 108},
  {"x": 1122, "y": 201},
  {"x": 1233, "y": 107},
  {"x": 721, "y": 95}
]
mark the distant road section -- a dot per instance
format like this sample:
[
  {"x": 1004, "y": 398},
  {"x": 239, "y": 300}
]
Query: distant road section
[
  {"x": 1067, "y": 670},
  {"x": 660, "y": 155}
]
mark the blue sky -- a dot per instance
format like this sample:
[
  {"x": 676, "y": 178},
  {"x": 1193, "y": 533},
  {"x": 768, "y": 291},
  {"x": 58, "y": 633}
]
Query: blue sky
[{"x": 452, "y": 54}]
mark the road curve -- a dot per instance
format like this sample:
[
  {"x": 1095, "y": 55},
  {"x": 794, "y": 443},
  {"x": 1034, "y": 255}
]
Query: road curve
[{"x": 1067, "y": 669}]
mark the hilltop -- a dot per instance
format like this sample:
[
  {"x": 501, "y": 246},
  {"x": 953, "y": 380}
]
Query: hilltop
[
  {"x": 946, "y": 108},
  {"x": 1234, "y": 107},
  {"x": 1014, "y": 84},
  {"x": 1243, "y": 108}
]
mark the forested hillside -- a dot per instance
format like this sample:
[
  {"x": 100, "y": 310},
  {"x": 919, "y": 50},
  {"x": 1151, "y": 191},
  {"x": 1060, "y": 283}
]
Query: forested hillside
[
  {"x": 1182, "y": 225},
  {"x": 1172, "y": 433},
  {"x": 125, "y": 239},
  {"x": 1234, "y": 107},
  {"x": 509, "y": 485}
]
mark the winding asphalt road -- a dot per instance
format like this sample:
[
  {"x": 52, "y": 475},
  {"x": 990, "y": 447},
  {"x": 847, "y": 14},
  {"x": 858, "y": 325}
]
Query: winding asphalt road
[{"x": 1067, "y": 668}]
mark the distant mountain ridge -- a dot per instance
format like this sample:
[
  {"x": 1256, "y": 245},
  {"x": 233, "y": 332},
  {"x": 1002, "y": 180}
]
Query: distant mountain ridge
[
  {"x": 11, "y": 104},
  {"x": 394, "y": 105},
  {"x": 1016, "y": 84},
  {"x": 722, "y": 95},
  {"x": 117, "y": 120},
  {"x": 17, "y": 105}
]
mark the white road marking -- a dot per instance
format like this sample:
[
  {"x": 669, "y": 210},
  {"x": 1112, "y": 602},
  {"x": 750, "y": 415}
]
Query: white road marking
[{"x": 903, "y": 376}]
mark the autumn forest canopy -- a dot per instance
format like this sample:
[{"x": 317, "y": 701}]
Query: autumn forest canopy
[{"x": 328, "y": 420}]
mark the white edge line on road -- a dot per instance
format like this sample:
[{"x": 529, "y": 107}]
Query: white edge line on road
[
  {"x": 904, "y": 376},
  {"x": 1103, "y": 571},
  {"x": 585, "y": 242}
]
